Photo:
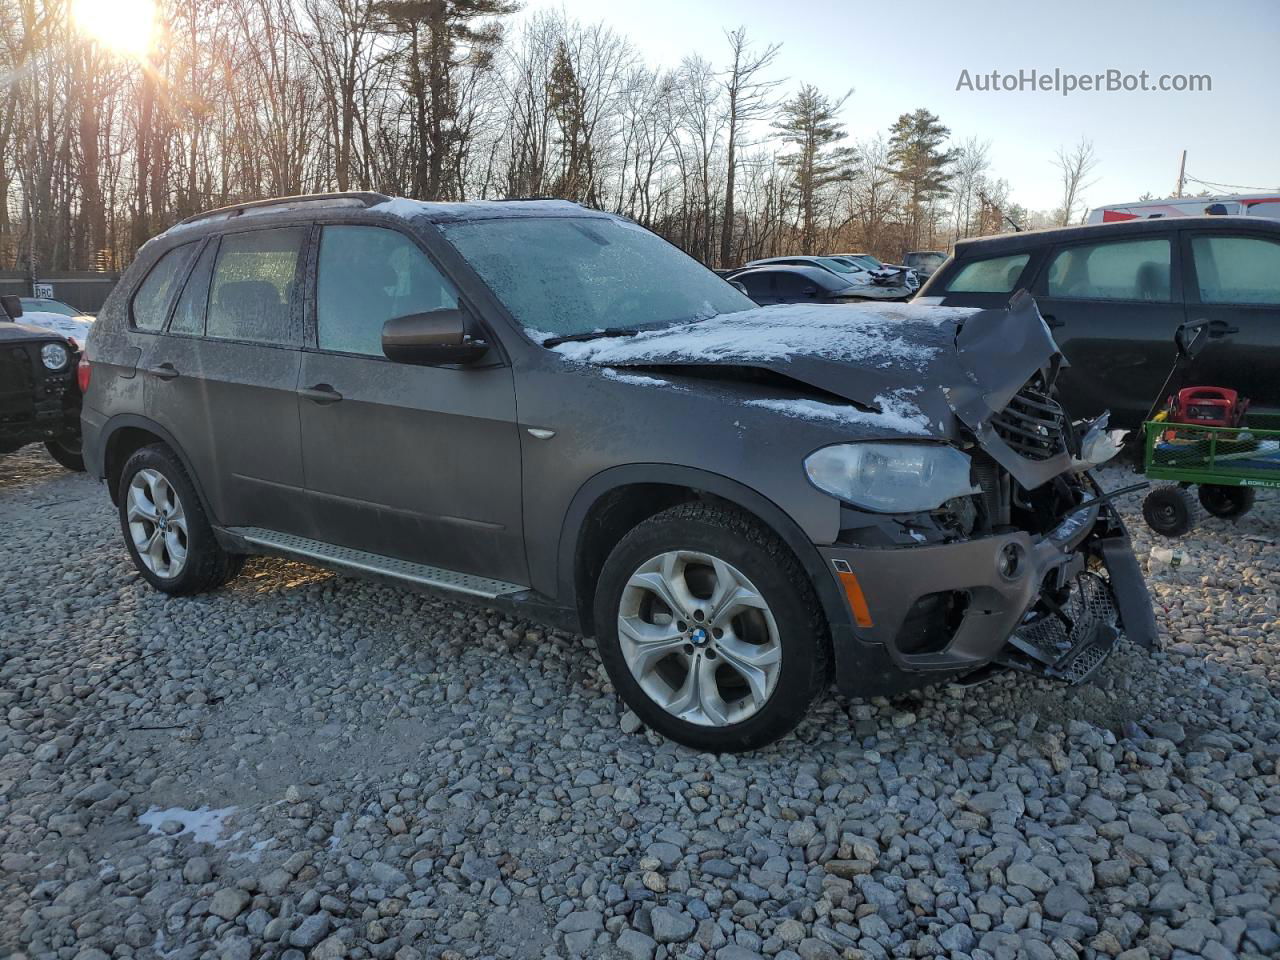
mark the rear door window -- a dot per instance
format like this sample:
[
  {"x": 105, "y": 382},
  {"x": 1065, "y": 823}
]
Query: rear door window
[
  {"x": 993, "y": 275},
  {"x": 758, "y": 284},
  {"x": 188, "y": 315},
  {"x": 155, "y": 294},
  {"x": 792, "y": 286},
  {"x": 255, "y": 284},
  {"x": 1118, "y": 270},
  {"x": 367, "y": 276},
  {"x": 1237, "y": 269}
]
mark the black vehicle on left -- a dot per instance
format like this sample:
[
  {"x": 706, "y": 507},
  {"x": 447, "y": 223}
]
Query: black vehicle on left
[{"x": 39, "y": 397}]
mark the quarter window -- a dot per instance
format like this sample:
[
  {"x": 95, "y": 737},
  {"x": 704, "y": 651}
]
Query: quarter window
[
  {"x": 151, "y": 302},
  {"x": 993, "y": 275},
  {"x": 368, "y": 275},
  {"x": 1122, "y": 270},
  {"x": 254, "y": 286},
  {"x": 1237, "y": 269}
]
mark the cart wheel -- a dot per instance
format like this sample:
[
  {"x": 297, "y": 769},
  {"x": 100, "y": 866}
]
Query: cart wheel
[
  {"x": 1170, "y": 510},
  {"x": 1226, "y": 502}
]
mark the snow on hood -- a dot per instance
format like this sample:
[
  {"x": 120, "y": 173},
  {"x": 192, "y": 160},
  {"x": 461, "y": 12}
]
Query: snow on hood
[
  {"x": 876, "y": 335},
  {"x": 73, "y": 328},
  {"x": 897, "y": 412}
]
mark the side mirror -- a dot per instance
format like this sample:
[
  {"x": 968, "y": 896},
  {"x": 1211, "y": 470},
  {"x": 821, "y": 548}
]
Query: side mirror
[
  {"x": 439, "y": 336},
  {"x": 739, "y": 286},
  {"x": 12, "y": 306}
]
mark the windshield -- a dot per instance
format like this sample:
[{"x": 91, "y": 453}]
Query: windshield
[
  {"x": 42, "y": 305},
  {"x": 838, "y": 265},
  {"x": 563, "y": 276}
]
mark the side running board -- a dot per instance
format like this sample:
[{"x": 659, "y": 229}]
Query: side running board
[{"x": 331, "y": 555}]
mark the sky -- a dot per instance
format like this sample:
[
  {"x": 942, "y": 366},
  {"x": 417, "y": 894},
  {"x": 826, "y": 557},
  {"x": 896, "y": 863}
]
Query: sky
[{"x": 897, "y": 57}]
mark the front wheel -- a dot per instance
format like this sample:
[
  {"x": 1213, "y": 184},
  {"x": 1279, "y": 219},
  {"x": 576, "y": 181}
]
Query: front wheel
[
  {"x": 710, "y": 629},
  {"x": 1170, "y": 510},
  {"x": 1229, "y": 503},
  {"x": 66, "y": 450}
]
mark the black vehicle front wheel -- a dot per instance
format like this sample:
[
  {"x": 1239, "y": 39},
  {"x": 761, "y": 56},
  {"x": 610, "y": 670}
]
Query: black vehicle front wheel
[
  {"x": 1229, "y": 503},
  {"x": 66, "y": 450},
  {"x": 1170, "y": 510},
  {"x": 710, "y": 629}
]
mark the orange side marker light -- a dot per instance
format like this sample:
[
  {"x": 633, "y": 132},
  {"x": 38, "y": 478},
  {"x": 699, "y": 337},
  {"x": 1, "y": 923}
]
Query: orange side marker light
[{"x": 853, "y": 592}]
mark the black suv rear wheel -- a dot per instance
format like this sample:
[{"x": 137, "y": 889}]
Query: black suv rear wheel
[
  {"x": 66, "y": 451},
  {"x": 710, "y": 629},
  {"x": 165, "y": 527}
]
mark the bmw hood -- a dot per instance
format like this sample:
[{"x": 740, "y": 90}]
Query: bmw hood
[{"x": 881, "y": 369}]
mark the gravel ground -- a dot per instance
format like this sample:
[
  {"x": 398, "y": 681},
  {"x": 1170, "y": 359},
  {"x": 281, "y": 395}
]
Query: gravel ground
[{"x": 305, "y": 764}]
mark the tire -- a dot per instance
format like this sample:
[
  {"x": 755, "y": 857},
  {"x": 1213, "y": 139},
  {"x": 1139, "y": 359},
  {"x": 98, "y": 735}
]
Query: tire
[
  {"x": 764, "y": 658},
  {"x": 1229, "y": 503},
  {"x": 186, "y": 558},
  {"x": 1170, "y": 510},
  {"x": 67, "y": 454}
]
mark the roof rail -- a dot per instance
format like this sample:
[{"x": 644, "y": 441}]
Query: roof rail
[{"x": 366, "y": 197}]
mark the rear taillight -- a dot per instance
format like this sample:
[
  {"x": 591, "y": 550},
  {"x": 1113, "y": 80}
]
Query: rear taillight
[{"x": 83, "y": 370}]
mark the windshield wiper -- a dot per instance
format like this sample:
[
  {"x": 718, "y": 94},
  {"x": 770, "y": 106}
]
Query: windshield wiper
[{"x": 590, "y": 335}]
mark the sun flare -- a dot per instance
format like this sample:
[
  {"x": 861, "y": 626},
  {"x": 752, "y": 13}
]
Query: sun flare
[{"x": 125, "y": 27}]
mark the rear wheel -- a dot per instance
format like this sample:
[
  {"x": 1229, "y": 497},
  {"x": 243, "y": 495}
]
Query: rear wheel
[
  {"x": 165, "y": 528},
  {"x": 66, "y": 450},
  {"x": 1229, "y": 503},
  {"x": 710, "y": 630},
  {"x": 1170, "y": 510}
]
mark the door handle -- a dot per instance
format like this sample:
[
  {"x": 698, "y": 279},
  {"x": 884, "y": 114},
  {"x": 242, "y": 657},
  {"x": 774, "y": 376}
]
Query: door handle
[
  {"x": 163, "y": 371},
  {"x": 1052, "y": 322},
  {"x": 321, "y": 393}
]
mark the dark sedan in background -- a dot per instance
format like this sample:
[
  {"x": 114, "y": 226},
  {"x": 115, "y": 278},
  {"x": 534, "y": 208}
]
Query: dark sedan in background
[
  {"x": 1114, "y": 293},
  {"x": 796, "y": 284}
]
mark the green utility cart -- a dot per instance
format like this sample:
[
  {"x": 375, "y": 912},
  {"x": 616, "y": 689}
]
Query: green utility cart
[{"x": 1226, "y": 464}]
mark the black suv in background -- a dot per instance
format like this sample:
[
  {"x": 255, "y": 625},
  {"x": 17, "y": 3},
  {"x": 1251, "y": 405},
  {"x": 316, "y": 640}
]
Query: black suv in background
[
  {"x": 1114, "y": 293},
  {"x": 553, "y": 410},
  {"x": 39, "y": 399}
]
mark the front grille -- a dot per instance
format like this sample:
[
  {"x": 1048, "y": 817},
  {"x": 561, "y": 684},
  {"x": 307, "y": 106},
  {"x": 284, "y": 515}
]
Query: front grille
[
  {"x": 17, "y": 383},
  {"x": 1033, "y": 424},
  {"x": 1068, "y": 645}
]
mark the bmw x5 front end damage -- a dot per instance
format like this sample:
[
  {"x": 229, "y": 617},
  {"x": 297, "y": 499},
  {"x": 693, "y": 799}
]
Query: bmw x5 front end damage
[{"x": 1030, "y": 568}]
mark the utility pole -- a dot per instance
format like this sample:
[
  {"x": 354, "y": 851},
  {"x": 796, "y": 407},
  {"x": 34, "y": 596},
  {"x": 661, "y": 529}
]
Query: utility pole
[{"x": 1182, "y": 174}]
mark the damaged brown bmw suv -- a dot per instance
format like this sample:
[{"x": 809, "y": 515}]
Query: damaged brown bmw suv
[{"x": 553, "y": 411}]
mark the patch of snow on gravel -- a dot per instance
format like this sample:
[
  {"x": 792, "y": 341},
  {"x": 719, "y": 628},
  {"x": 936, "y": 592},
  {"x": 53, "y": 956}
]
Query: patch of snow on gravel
[{"x": 204, "y": 824}]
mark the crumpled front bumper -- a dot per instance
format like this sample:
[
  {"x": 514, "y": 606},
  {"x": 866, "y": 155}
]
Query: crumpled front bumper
[{"x": 1001, "y": 577}]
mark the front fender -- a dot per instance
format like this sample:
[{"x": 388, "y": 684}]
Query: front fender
[{"x": 862, "y": 669}]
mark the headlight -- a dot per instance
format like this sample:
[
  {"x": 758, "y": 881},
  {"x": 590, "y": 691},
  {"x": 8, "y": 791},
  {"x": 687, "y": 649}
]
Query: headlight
[
  {"x": 54, "y": 356},
  {"x": 891, "y": 477}
]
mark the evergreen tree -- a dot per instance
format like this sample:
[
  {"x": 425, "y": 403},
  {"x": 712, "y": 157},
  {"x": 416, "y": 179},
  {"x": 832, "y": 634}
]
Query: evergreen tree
[
  {"x": 920, "y": 164},
  {"x": 443, "y": 36},
  {"x": 568, "y": 102},
  {"x": 808, "y": 123}
]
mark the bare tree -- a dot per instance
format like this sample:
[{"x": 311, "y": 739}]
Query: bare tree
[
  {"x": 1075, "y": 166},
  {"x": 749, "y": 100}
]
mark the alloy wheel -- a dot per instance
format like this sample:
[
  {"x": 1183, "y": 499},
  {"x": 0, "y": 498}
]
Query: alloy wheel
[
  {"x": 699, "y": 638},
  {"x": 157, "y": 523}
]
